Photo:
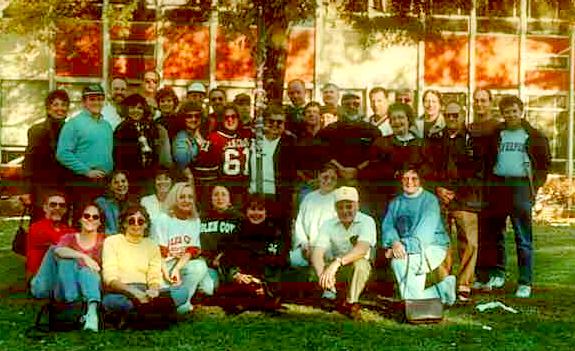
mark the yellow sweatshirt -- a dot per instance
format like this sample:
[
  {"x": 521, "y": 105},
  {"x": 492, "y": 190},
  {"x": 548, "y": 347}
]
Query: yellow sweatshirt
[{"x": 131, "y": 263}]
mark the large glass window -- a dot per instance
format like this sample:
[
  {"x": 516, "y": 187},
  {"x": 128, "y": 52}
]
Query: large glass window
[
  {"x": 22, "y": 104},
  {"x": 549, "y": 114},
  {"x": 498, "y": 8}
]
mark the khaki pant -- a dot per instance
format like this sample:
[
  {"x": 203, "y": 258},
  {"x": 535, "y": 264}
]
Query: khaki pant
[
  {"x": 356, "y": 276},
  {"x": 466, "y": 230}
]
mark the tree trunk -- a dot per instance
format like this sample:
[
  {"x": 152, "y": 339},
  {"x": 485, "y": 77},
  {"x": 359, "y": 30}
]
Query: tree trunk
[{"x": 276, "y": 43}]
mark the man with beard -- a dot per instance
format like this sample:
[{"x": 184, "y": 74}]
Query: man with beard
[
  {"x": 346, "y": 143},
  {"x": 46, "y": 231},
  {"x": 116, "y": 94}
]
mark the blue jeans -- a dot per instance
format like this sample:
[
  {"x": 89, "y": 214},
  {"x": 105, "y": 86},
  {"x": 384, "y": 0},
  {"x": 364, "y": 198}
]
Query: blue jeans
[
  {"x": 511, "y": 198},
  {"x": 122, "y": 303},
  {"x": 194, "y": 274},
  {"x": 78, "y": 282},
  {"x": 65, "y": 280}
]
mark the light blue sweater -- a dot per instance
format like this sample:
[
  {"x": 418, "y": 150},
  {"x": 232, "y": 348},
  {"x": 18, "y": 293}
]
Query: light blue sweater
[
  {"x": 85, "y": 144},
  {"x": 414, "y": 221}
]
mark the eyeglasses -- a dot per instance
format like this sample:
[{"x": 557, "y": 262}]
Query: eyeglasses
[
  {"x": 193, "y": 115},
  {"x": 275, "y": 121},
  {"x": 136, "y": 220},
  {"x": 57, "y": 204},
  {"x": 91, "y": 216},
  {"x": 452, "y": 115}
]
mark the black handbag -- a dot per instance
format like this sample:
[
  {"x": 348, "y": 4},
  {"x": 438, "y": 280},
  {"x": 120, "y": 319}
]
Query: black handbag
[
  {"x": 62, "y": 316},
  {"x": 21, "y": 236},
  {"x": 424, "y": 311}
]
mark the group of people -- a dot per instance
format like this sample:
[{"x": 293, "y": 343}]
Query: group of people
[{"x": 170, "y": 198}]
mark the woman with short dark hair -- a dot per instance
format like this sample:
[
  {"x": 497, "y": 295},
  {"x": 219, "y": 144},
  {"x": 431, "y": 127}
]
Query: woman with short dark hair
[
  {"x": 415, "y": 240},
  {"x": 42, "y": 172},
  {"x": 137, "y": 142},
  {"x": 132, "y": 266},
  {"x": 70, "y": 271}
]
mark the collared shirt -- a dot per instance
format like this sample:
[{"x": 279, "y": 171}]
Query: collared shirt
[
  {"x": 335, "y": 237},
  {"x": 110, "y": 114},
  {"x": 382, "y": 124},
  {"x": 268, "y": 151}
]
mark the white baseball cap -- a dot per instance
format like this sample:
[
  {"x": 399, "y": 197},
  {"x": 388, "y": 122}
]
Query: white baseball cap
[{"x": 346, "y": 193}]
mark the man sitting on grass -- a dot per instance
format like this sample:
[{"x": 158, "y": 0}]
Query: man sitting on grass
[{"x": 349, "y": 237}]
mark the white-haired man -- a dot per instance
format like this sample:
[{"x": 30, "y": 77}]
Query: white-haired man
[{"x": 350, "y": 237}]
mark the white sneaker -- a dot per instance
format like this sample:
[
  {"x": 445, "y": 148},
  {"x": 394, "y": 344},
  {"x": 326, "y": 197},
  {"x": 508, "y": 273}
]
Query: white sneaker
[
  {"x": 185, "y": 308},
  {"x": 447, "y": 289},
  {"x": 91, "y": 322},
  {"x": 523, "y": 291},
  {"x": 494, "y": 282}
]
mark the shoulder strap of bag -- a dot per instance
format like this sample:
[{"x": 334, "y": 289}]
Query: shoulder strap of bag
[
  {"x": 423, "y": 258},
  {"x": 25, "y": 211},
  {"x": 39, "y": 324}
]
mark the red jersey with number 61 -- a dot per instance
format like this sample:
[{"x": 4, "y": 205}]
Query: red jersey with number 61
[{"x": 225, "y": 157}]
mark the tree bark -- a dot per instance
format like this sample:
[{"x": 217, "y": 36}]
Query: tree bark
[{"x": 276, "y": 42}]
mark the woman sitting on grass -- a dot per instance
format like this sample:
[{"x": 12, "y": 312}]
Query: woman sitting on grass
[
  {"x": 219, "y": 222},
  {"x": 177, "y": 231},
  {"x": 414, "y": 237},
  {"x": 132, "y": 267},
  {"x": 257, "y": 253},
  {"x": 70, "y": 271}
]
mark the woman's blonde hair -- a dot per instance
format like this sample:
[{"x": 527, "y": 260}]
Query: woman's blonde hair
[{"x": 172, "y": 197}]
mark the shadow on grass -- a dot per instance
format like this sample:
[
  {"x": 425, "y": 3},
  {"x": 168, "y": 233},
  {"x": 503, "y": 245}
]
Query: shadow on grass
[{"x": 544, "y": 322}]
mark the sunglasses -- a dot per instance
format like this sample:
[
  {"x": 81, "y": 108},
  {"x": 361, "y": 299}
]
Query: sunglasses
[
  {"x": 88, "y": 216},
  {"x": 136, "y": 221},
  {"x": 57, "y": 204}
]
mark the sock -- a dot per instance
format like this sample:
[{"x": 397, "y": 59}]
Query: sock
[{"x": 92, "y": 309}]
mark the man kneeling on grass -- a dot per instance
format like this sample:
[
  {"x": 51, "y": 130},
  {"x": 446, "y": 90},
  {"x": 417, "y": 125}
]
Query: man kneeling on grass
[{"x": 349, "y": 237}]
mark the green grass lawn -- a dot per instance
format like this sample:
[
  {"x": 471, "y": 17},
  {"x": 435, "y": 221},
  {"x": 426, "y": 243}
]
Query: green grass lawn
[{"x": 545, "y": 321}]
